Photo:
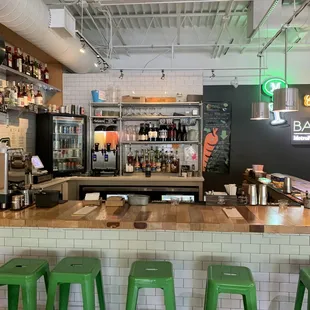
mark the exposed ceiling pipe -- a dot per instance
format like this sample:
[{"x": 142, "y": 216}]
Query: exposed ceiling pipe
[
  {"x": 30, "y": 19},
  {"x": 284, "y": 27},
  {"x": 185, "y": 69},
  {"x": 263, "y": 20}
]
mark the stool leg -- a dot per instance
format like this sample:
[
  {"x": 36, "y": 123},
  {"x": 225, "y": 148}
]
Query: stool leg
[
  {"x": 64, "y": 291},
  {"x": 88, "y": 292},
  {"x": 211, "y": 297},
  {"x": 250, "y": 300},
  {"x": 170, "y": 297},
  {"x": 29, "y": 293},
  {"x": 245, "y": 306},
  {"x": 46, "y": 279},
  {"x": 100, "y": 291},
  {"x": 132, "y": 295},
  {"x": 13, "y": 296},
  {"x": 52, "y": 286},
  {"x": 299, "y": 295}
]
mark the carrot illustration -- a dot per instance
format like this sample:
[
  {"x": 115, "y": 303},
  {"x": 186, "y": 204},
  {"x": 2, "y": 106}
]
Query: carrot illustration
[{"x": 211, "y": 141}]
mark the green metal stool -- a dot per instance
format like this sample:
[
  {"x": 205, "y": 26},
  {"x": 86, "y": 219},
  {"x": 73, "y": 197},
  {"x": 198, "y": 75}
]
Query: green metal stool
[
  {"x": 24, "y": 273},
  {"x": 81, "y": 270},
  {"x": 231, "y": 280},
  {"x": 303, "y": 283},
  {"x": 150, "y": 274}
]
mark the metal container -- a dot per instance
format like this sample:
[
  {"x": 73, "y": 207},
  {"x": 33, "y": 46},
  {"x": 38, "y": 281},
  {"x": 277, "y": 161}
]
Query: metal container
[
  {"x": 138, "y": 200},
  {"x": 17, "y": 202},
  {"x": 307, "y": 203},
  {"x": 262, "y": 195},
  {"x": 287, "y": 188},
  {"x": 252, "y": 195},
  {"x": 28, "y": 197}
]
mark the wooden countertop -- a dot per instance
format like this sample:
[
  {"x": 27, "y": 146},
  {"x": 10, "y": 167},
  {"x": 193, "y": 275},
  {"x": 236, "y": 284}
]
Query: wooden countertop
[
  {"x": 131, "y": 178},
  {"x": 293, "y": 220}
]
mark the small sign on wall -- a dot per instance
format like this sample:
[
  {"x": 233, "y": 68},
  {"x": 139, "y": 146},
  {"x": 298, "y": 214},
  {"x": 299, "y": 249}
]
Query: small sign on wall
[{"x": 300, "y": 131}]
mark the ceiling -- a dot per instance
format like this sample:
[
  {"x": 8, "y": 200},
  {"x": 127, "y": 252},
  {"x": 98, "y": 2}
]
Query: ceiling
[{"x": 215, "y": 27}]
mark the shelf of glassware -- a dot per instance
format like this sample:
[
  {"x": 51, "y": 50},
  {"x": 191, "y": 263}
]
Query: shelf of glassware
[
  {"x": 158, "y": 117},
  {"x": 158, "y": 142},
  {"x": 105, "y": 104},
  {"x": 172, "y": 104}
]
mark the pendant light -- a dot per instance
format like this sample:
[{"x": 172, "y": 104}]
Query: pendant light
[
  {"x": 260, "y": 109},
  {"x": 286, "y": 99}
]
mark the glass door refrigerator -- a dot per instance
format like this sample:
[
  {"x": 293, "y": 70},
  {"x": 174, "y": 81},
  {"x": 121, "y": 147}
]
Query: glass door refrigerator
[{"x": 61, "y": 143}]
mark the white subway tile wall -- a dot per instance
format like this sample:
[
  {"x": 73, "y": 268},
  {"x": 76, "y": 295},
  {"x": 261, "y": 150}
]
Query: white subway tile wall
[
  {"x": 77, "y": 87},
  {"x": 191, "y": 253}
]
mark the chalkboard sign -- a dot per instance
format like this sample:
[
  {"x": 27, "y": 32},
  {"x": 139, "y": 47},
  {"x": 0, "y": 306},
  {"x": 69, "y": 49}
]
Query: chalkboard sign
[{"x": 217, "y": 132}]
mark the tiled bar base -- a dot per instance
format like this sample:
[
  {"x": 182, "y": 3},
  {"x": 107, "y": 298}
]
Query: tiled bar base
[{"x": 274, "y": 259}]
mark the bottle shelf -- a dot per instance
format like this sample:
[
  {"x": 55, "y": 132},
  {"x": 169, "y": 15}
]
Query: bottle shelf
[
  {"x": 105, "y": 104},
  {"x": 160, "y": 142},
  {"x": 10, "y": 72},
  {"x": 140, "y": 104},
  {"x": 41, "y": 109},
  {"x": 157, "y": 117},
  {"x": 106, "y": 117}
]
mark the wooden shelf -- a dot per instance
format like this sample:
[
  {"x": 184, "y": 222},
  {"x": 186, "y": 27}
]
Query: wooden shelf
[
  {"x": 18, "y": 76},
  {"x": 157, "y": 117},
  {"x": 105, "y": 104}
]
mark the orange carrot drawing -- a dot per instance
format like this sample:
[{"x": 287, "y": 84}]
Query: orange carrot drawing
[{"x": 211, "y": 141}]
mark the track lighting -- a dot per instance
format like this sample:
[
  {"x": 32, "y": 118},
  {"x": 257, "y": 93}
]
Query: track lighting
[
  {"x": 212, "y": 76},
  {"x": 121, "y": 74},
  {"x": 82, "y": 49},
  {"x": 234, "y": 82},
  {"x": 163, "y": 75}
]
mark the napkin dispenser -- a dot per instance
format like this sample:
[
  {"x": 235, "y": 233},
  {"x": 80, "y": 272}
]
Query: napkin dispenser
[{"x": 47, "y": 198}]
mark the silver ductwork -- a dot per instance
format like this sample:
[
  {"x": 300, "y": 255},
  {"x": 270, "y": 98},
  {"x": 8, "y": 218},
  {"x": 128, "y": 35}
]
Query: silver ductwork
[{"x": 30, "y": 19}]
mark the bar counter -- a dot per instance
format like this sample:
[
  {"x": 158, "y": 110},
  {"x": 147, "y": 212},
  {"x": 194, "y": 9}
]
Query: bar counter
[
  {"x": 182, "y": 217},
  {"x": 273, "y": 243}
]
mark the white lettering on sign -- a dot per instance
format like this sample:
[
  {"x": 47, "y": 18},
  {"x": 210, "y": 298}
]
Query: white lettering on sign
[
  {"x": 301, "y": 138},
  {"x": 275, "y": 86},
  {"x": 301, "y": 127}
]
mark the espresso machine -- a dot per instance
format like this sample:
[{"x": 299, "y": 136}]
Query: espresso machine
[
  {"x": 104, "y": 161},
  {"x": 15, "y": 174}
]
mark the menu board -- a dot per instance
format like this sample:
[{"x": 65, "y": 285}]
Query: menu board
[{"x": 216, "y": 137}]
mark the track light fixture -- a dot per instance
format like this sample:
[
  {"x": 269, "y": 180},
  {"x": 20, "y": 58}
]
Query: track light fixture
[
  {"x": 121, "y": 74},
  {"x": 86, "y": 44},
  {"x": 235, "y": 82},
  {"x": 82, "y": 49},
  {"x": 163, "y": 75},
  {"x": 212, "y": 76}
]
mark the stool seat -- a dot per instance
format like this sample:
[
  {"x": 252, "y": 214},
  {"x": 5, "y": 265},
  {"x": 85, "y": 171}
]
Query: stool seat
[
  {"x": 231, "y": 280},
  {"x": 151, "y": 274},
  {"x": 80, "y": 270},
  {"x": 23, "y": 273},
  {"x": 303, "y": 283}
]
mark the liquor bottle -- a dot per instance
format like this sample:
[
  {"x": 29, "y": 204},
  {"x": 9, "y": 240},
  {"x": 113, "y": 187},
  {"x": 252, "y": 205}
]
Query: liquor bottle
[
  {"x": 143, "y": 161},
  {"x": 20, "y": 96},
  {"x": 32, "y": 70},
  {"x": 39, "y": 72},
  {"x": 46, "y": 76},
  {"x": 169, "y": 133},
  {"x": 19, "y": 60},
  {"x": 174, "y": 133},
  {"x": 35, "y": 69},
  {"x": 148, "y": 170},
  {"x": 6, "y": 95},
  {"x": 25, "y": 95},
  {"x": 179, "y": 132},
  {"x": 137, "y": 163},
  {"x": 31, "y": 98},
  {"x": 156, "y": 132},
  {"x": 24, "y": 57},
  {"x": 163, "y": 161},
  {"x": 130, "y": 157},
  {"x": 184, "y": 134},
  {"x": 14, "y": 59},
  {"x": 174, "y": 162},
  {"x": 28, "y": 66},
  {"x": 141, "y": 133},
  {"x": 3, "y": 107},
  {"x": 146, "y": 131},
  {"x": 157, "y": 160},
  {"x": 152, "y": 160},
  {"x": 38, "y": 98},
  {"x": 151, "y": 133},
  {"x": 9, "y": 57},
  {"x": 168, "y": 162},
  {"x": 14, "y": 93}
]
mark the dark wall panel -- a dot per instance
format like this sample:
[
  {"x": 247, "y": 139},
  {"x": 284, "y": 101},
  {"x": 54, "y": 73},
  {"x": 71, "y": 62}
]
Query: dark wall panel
[{"x": 257, "y": 142}]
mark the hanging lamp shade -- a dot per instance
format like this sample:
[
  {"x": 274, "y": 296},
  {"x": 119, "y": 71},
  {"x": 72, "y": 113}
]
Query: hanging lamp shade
[
  {"x": 260, "y": 111},
  {"x": 286, "y": 100}
]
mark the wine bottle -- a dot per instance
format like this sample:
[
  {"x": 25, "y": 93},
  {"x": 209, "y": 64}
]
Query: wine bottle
[{"x": 179, "y": 132}]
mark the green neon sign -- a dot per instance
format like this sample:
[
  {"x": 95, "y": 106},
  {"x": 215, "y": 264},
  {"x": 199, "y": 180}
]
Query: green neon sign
[{"x": 270, "y": 85}]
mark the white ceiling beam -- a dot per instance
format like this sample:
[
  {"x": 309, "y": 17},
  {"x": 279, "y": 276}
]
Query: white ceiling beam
[
  {"x": 178, "y": 24},
  {"x": 165, "y": 15},
  {"x": 125, "y": 2}
]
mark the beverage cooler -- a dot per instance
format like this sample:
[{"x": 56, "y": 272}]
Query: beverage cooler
[{"x": 61, "y": 143}]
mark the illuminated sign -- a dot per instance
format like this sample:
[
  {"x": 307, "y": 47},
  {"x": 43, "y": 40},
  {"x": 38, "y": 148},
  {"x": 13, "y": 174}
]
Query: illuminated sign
[
  {"x": 307, "y": 101},
  {"x": 300, "y": 131},
  {"x": 270, "y": 85}
]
